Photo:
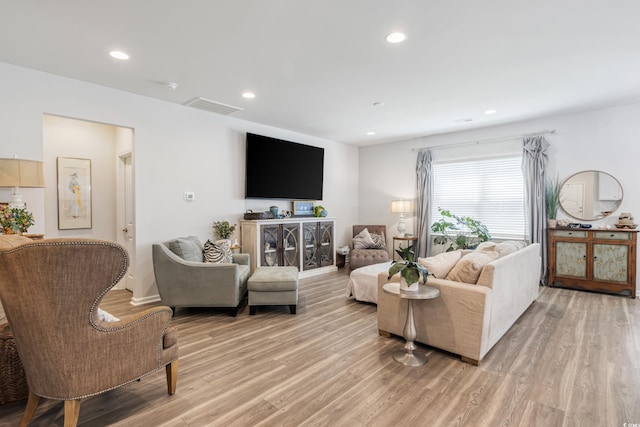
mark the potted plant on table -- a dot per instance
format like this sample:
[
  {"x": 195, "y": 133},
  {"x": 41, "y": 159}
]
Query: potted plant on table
[
  {"x": 409, "y": 268},
  {"x": 462, "y": 232},
  {"x": 15, "y": 220},
  {"x": 552, "y": 200},
  {"x": 223, "y": 229}
]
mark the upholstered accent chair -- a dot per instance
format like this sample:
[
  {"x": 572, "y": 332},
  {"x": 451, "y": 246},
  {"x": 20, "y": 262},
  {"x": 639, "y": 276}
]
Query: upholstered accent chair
[
  {"x": 361, "y": 257},
  {"x": 186, "y": 280},
  {"x": 51, "y": 291}
]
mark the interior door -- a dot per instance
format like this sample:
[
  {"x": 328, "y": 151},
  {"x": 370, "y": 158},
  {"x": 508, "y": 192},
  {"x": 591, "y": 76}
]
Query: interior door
[
  {"x": 572, "y": 197},
  {"x": 127, "y": 236}
]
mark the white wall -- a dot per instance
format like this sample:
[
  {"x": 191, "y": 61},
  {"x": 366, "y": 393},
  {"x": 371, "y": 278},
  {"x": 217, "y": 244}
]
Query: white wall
[
  {"x": 176, "y": 149},
  {"x": 63, "y": 137}
]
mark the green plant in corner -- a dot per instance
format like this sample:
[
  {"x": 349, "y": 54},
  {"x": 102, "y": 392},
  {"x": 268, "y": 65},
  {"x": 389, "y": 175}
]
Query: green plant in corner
[
  {"x": 461, "y": 232},
  {"x": 223, "y": 229},
  {"x": 552, "y": 197},
  {"x": 408, "y": 266}
]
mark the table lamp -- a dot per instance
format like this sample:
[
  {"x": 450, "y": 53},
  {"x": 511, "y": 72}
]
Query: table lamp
[
  {"x": 18, "y": 173},
  {"x": 401, "y": 207}
]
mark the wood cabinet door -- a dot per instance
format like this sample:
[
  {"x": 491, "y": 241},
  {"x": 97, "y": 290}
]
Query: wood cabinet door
[
  {"x": 571, "y": 259},
  {"x": 610, "y": 263}
]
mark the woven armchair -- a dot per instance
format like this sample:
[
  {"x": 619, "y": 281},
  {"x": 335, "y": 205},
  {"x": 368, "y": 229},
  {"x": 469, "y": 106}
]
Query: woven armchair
[{"x": 51, "y": 290}]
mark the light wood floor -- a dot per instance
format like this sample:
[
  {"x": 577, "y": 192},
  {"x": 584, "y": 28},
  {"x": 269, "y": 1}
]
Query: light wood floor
[{"x": 571, "y": 359}]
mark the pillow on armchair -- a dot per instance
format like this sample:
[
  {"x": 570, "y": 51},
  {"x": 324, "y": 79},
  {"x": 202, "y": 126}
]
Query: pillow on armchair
[{"x": 188, "y": 248}]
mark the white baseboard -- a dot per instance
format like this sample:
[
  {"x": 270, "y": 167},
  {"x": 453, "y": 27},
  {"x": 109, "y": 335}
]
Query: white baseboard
[{"x": 145, "y": 300}]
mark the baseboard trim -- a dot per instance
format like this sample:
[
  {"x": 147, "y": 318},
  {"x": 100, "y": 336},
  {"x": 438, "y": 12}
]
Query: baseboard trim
[{"x": 145, "y": 300}]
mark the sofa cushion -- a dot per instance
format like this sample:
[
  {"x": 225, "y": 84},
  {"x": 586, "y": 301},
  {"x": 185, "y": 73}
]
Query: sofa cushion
[
  {"x": 440, "y": 265},
  {"x": 503, "y": 248},
  {"x": 468, "y": 269},
  {"x": 188, "y": 248},
  {"x": 218, "y": 251}
]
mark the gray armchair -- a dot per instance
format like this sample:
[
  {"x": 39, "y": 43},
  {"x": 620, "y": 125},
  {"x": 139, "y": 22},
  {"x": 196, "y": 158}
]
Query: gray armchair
[
  {"x": 188, "y": 281},
  {"x": 363, "y": 257}
]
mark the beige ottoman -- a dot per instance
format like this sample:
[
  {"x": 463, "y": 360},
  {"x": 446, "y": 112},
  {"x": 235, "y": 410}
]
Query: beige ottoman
[{"x": 273, "y": 286}]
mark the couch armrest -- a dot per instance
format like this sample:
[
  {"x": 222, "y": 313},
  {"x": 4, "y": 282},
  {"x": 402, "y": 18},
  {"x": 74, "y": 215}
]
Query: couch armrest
[
  {"x": 242, "y": 259},
  {"x": 457, "y": 321}
]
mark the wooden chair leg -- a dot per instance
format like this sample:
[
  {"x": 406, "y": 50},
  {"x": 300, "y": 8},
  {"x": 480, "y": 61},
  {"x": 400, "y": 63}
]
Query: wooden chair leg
[
  {"x": 71, "y": 412},
  {"x": 32, "y": 404},
  {"x": 172, "y": 376}
]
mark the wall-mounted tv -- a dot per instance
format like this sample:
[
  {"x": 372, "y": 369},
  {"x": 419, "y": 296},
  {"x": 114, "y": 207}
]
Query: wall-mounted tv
[{"x": 279, "y": 169}]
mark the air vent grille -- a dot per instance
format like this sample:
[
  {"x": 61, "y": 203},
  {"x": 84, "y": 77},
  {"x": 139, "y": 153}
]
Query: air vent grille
[{"x": 213, "y": 106}]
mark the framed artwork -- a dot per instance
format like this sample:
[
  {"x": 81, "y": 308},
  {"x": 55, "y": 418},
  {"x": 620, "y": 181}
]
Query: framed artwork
[
  {"x": 74, "y": 193},
  {"x": 303, "y": 207}
]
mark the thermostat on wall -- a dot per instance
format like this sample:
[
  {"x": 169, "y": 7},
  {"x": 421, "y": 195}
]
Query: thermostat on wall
[{"x": 189, "y": 196}]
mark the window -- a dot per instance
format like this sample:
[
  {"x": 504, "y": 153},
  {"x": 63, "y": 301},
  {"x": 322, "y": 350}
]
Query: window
[{"x": 490, "y": 190}]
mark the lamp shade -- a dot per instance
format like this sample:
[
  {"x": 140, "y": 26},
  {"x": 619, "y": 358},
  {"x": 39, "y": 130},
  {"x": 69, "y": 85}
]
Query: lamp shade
[
  {"x": 21, "y": 173},
  {"x": 400, "y": 206}
]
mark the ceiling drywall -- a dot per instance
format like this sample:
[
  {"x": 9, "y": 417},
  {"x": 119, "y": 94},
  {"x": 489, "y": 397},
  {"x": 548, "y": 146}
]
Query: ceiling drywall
[{"x": 323, "y": 68}]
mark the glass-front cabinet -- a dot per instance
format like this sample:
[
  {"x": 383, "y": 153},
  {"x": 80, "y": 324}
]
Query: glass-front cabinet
[
  {"x": 596, "y": 260},
  {"x": 280, "y": 245},
  {"x": 318, "y": 245},
  {"x": 306, "y": 243}
]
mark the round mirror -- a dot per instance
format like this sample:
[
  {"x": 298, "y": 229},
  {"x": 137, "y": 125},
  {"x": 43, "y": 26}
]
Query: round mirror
[{"x": 590, "y": 195}]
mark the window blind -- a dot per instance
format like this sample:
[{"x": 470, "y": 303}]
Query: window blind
[{"x": 490, "y": 190}]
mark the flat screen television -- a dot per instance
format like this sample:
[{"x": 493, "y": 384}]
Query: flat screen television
[{"x": 279, "y": 169}]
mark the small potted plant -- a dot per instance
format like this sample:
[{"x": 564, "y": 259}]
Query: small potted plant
[
  {"x": 409, "y": 268},
  {"x": 223, "y": 229},
  {"x": 15, "y": 220},
  {"x": 552, "y": 200}
]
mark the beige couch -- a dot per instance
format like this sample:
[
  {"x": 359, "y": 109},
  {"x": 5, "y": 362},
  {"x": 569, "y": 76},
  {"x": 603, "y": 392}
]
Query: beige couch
[{"x": 468, "y": 319}]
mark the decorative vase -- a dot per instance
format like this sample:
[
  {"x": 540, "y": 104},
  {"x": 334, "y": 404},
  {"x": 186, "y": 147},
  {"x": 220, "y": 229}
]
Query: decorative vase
[
  {"x": 551, "y": 223},
  {"x": 405, "y": 287}
]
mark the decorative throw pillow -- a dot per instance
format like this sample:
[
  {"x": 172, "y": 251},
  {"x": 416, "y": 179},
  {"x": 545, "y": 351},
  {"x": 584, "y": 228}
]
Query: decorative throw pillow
[
  {"x": 105, "y": 316},
  {"x": 379, "y": 242},
  {"x": 468, "y": 269},
  {"x": 188, "y": 248},
  {"x": 509, "y": 247},
  {"x": 363, "y": 240},
  {"x": 218, "y": 251},
  {"x": 440, "y": 265}
]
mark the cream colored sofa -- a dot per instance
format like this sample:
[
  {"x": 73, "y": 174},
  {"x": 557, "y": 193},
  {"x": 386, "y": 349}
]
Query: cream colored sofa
[{"x": 468, "y": 319}]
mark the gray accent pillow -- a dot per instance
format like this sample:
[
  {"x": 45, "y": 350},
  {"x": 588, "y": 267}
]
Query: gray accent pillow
[{"x": 188, "y": 248}]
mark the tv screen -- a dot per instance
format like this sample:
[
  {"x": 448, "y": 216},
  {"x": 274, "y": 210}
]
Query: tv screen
[{"x": 279, "y": 169}]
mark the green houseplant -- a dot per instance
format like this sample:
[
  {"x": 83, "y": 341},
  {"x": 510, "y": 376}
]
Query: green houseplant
[
  {"x": 552, "y": 200},
  {"x": 223, "y": 229},
  {"x": 15, "y": 220},
  {"x": 409, "y": 268},
  {"x": 461, "y": 232}
]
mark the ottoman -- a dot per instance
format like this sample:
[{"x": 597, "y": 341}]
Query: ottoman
[{"x": 273, "y": 286}]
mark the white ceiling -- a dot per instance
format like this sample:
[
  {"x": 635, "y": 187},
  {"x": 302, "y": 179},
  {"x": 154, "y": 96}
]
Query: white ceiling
[{"x": 318, "y": 66}]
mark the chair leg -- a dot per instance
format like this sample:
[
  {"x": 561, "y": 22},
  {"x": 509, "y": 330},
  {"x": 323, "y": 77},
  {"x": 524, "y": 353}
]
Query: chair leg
[
  {"x": 30, "y": 410},
  {"x": 71, "y": 412},
  {"x": 292, "y": 309},
  {"x": 172, "y": 376}
]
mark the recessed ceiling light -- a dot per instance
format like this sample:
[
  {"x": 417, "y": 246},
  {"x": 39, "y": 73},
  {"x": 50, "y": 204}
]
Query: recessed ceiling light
[
  {"x": 490, "y": 112},
  {"x": 249, "y": 95},
  {"x": 396, "y": 37},
  {"x": 371, "y": 133},
  {"x": 119, "y": 55}
]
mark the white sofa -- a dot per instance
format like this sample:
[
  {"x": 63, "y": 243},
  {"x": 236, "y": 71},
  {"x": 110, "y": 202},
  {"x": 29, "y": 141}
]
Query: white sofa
[{"x": 468, "y": 319}]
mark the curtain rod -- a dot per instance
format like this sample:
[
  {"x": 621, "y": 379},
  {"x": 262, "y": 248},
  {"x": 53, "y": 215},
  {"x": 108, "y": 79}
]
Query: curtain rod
[{"x": 480, "y": 141}]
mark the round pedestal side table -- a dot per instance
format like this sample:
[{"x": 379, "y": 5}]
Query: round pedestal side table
[{"x": 407, "y": 356}]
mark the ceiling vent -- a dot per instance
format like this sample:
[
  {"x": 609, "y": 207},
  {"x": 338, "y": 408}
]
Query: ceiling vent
[{"x": 213, "y": 106}]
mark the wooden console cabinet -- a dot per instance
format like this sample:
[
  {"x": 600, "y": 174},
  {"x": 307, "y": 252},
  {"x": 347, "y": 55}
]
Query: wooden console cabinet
[
  {"x": 305, "y": 243},
  {"x": 595, "y": 260}
]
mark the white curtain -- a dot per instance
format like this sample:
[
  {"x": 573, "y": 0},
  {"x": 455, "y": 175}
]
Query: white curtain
[
  {"x": 534, "y": 169},
  {"x": 424, "y": 176}
]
